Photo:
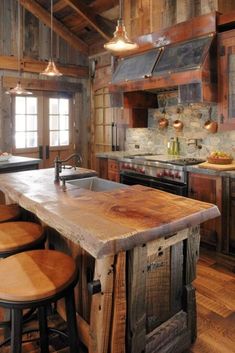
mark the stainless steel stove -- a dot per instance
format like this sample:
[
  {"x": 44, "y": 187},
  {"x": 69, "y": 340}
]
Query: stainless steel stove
[{"x": 157, "y": 171}]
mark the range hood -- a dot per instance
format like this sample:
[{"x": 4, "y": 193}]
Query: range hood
[{"x": 189, "y": 67}]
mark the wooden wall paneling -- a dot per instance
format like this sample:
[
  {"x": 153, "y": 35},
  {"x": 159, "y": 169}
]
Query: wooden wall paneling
[
  {"x": 169, "y": 13},
  {"x": 158, "y": 288},
  {"x": 208, "y": 6},
  {"x": 136, "y": 299},
  {"x": 226, "y": 6},
  {"x": 176, "y": 277},
  {"x": 30, "y": 37},
  {"x": 184, "y": 10},
  {"x": 156, "y": 15}
]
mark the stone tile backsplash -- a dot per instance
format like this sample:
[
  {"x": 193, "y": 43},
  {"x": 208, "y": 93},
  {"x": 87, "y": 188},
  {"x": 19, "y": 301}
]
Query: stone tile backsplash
[{"x": 154, "y": 139}]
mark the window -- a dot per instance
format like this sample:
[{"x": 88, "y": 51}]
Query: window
[
  {"x": 59, "y": 121},
  {"x": 26, "y": 122}
]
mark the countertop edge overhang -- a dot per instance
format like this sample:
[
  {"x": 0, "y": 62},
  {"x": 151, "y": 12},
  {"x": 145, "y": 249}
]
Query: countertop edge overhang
[{"x": 99, "y": 221}]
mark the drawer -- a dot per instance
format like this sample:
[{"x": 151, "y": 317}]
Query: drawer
[{"x": 113, "y": 165}]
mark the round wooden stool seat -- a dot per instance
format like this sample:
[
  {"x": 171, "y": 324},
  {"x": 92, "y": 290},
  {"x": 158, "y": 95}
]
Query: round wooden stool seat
[
  {"x": 35, "y": 279},
  {"x": 35, "y": 275},
  {"x": 9, "y": 213},
  {"x": 19, "y": 236}
]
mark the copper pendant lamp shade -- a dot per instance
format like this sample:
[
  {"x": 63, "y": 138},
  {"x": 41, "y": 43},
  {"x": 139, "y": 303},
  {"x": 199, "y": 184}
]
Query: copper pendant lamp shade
[
  {"x": 51, "y": 69},
  {"x": 120, "y": 41}
]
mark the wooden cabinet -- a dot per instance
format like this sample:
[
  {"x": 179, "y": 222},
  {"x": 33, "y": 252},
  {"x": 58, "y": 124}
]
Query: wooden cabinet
[
  {"x": 230, "y": 243},
  {"x": 108, "y": 169},
  {"x": 226, "y": 80},
  {"x": 208, "y": 188},
  {"x": 102, "y": 167},
  {"x": 113, "y": 170}
]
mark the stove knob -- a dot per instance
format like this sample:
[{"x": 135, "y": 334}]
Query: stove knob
[
  {"x": 142, "y": 170},
  {"x": 177, "y": 175},
  {"x": 166, "y": 173},
  {"x": 171, "y": 174},
  {"x": 159, "y": 174}
]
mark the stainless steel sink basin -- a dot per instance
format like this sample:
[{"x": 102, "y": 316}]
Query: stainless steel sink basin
[{"x": 96, "y": 184}]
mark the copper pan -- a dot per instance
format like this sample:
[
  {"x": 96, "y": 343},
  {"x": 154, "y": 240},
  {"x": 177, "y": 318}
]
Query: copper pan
[
  {"x": 178, "y": 125},
  {"x": 163, "y": 123}
]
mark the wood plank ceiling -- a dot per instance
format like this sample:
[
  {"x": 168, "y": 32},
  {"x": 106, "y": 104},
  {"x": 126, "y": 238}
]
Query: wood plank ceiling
[{"x": 82, "y": 23}]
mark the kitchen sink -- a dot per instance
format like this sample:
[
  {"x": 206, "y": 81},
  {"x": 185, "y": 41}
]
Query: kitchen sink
[{"x": 96, "y": 184}]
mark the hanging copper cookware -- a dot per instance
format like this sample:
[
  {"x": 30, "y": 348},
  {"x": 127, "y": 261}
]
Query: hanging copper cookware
[{"x": 210, "y": 125}]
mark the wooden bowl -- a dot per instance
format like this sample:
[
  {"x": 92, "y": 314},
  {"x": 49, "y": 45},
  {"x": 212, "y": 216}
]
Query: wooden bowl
[{"x": 219, "y": 160}]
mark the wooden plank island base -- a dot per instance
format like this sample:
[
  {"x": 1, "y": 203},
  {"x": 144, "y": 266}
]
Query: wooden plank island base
[{"x": 136, "y": 250}]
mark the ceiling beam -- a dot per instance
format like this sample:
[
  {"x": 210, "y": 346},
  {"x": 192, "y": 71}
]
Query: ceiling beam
[
  {"x": 58, "y": 27},
  {"x": 34, "y": 66},
  {"x": 96, "y": 21}
]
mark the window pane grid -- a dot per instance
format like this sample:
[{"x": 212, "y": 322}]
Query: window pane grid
[
  {"x": 26, "y": 122},
  {"x": 59, "y": 121}
]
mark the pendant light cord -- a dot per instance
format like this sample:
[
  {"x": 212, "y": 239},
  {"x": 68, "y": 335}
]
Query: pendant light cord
[
  {"x": 51, "y": 26},
  {"x": 19, "y": 39},
  {"x": 120, "y": 9}
]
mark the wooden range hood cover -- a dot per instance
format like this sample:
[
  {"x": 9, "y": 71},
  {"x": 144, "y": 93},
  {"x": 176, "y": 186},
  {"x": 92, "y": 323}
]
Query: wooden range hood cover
[{"x": 189, "y": 66}]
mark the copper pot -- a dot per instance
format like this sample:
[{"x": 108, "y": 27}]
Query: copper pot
[
  {"x": 163, "y": 123},
  {"x": 178, "y": 125},
  {"x": 211, "y": 126}
]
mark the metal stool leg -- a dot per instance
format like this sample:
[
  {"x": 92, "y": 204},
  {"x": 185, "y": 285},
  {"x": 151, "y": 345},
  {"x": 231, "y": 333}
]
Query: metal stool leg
[
  {"x": 42, "y": 316},
  {"x": 16, "y": 330},
  {"x": 71, "y": 321}
]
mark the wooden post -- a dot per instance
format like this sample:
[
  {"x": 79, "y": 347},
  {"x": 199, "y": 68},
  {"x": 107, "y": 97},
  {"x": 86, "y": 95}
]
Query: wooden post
[
  {"x": 101, "y": 307},
  {"x": 118, "y": 334},
  {"x": 191, "y": 257}
]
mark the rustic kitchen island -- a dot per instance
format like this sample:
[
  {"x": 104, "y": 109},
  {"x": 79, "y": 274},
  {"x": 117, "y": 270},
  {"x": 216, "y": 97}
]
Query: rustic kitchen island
[{"x": 136, "y": 250}]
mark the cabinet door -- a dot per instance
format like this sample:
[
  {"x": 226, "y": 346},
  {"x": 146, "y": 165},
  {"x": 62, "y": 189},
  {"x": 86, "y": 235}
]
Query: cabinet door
[
  {"x": 113, "y": 170},
  {"x": 102, "y": 167},
  {"x": 226, "y": 80},
  {"x": 208, "y": 189}
]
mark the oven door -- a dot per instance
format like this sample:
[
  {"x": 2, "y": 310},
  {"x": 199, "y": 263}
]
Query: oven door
[{"x": 130, "y": 178}]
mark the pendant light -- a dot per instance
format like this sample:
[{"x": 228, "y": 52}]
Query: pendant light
[
  {"x": 51, "y": 69},
  {"x": 18, "y": 89},
  {"x": 120, "y": 41}
]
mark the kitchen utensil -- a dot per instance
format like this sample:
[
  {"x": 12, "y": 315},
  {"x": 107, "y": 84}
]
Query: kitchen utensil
[
  {"x": 163, "y": 123},
  {"x": 178, "y": 125},
  {"x": 210, "y": 125}
]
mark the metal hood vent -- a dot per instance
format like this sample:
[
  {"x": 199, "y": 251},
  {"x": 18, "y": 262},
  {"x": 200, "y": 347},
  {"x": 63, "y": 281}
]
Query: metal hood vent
[{"x": 189, "y": 66}]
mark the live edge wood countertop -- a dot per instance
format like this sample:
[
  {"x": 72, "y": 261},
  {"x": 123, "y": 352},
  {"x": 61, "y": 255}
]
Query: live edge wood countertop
[{"x": 104, "y": 223}]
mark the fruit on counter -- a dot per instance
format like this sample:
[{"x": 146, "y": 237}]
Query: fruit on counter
[
  {"x": 4, "y": 154},
  {"x": 220, "y": 155}
]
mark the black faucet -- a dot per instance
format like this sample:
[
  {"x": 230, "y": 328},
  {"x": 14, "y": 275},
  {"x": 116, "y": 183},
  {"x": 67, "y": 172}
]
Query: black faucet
[{"x": 59, "y": 162}]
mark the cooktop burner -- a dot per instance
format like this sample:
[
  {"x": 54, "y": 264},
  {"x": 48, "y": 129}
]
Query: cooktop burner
[{"x": 186, "y": 161}]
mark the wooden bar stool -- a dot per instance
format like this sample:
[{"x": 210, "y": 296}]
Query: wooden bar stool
[
  {"x": 35, "y": 279},
  {"x": 9, "y": 213},
  {"x": 16, "y": 237}
]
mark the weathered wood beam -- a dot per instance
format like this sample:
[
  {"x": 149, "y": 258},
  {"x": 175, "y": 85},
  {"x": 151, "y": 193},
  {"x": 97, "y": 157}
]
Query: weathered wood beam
[
  {"x": 96, "y": 21},
  {"x": 58, "y": 27},
  {"x": 60, "y": 5},
  {"x": 42, "y": 85},
  {"x": 34, "y": 66}
]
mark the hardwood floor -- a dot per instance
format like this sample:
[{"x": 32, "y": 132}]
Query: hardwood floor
[
  {"x": 215, "y": 287},
  {"x": 215, "y": 311}
]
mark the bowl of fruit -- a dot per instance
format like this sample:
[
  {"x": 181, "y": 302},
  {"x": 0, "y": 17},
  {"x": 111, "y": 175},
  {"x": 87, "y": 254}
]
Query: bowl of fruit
[
  {"x": 4, "y": 156},
  {"x": 220, "y": 157}
]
